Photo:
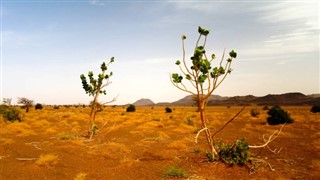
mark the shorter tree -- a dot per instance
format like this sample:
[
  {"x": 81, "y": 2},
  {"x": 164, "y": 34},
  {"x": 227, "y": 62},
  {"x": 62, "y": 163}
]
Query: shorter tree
[
  {"x": 26, "y": 102},
  {"x": 7, "y": 101},
  {"x": 95, "y": 88}
]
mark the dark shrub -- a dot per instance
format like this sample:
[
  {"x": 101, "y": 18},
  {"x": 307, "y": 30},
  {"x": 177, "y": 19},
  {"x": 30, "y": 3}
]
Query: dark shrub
[
  {"x": 12, "y": 115},
  {"x": 38, "y": 106},
  {"x": 131, "y": 108},
  {"x": 168, "y": 110},
  {"x": 315, "y": 109},
  {"x": 278, "y": 116},
  {"x": 265, "y": 108},
  {"x": 55, "y": 107}
]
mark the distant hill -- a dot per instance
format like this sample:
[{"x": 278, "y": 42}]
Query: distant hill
[
  {"x": 294, "y": 98},
  {"x": 314, "y": 95},
  {"x": 144, "y": 102},
  {"x": 190, "y": 100}
]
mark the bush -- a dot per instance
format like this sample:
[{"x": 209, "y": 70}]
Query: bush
[
  {"x": 38, "y": 106},
  {"x": 175, "y": 172},
  {"x": 3, "y": 108},
  {"x": 315, "y": 108},
  {"x": 12, "y": 115},
  {"x": 255, "y": 112},
  {"x": 278, "y": 116},
  {"x": 131, "y": 108},
  {"x": 55, "y": 107},
  {"x": 168, "y": 110},
  {"x": 232, "y": 154}
]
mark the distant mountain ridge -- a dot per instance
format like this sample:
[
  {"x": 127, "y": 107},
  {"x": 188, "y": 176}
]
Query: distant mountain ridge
[
  {"x": 293, "y": 98},
  {"x": 144, "y": 102}
]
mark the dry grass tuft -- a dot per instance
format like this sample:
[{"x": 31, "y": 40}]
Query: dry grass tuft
[
  {"x": 6, "y": 141},
  {"x": 80, "y": 176},
  {"x": 47, "y": 160},
  {"x": 20, "y": 129}
]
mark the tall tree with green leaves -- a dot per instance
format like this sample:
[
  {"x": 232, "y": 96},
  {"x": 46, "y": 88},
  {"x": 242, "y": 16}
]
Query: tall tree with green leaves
[
  {"x": 203, "y": 77},
  {"x": 95, "y": 88}
]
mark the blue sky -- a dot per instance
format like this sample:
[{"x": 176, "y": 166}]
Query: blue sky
[{"x": 46, "y": 45}]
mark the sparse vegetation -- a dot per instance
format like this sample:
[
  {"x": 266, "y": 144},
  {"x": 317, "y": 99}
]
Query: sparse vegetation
[
  {"x": 190, "y": 121},
  {"x": 175, "y": 172},
  {"x": 12, "y": 115},
  {"x": 278, "y": 116},
  {"x": 131, "y": 108},
  {"x": 231, "y": 154},
  {"x": 255, "y": 112},
  {"x": 315, "y": 109},
  {"x": 47, "y": 160}
]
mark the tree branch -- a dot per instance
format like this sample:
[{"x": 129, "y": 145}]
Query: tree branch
[
  {"x": 228, "y": 122},
  {"x": 272, "y": 137}
]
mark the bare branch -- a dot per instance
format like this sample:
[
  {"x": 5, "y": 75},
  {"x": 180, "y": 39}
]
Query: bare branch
[
  {"x": 228, "y": 122},
  {"x": 272, "y": 137},
  {"x": 196, "y": 139}
]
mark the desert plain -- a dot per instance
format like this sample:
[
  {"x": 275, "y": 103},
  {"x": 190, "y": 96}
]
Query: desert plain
[{"x": 51, "y": 144}]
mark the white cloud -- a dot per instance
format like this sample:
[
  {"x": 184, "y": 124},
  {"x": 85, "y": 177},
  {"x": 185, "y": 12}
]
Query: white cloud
[{"x": 97, "y": 2}]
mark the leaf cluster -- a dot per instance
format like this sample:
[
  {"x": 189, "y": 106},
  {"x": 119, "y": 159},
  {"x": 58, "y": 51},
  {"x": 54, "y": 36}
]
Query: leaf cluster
[
  {"x": 201, "y": 68},
  {"x": 95, "y": 86}
]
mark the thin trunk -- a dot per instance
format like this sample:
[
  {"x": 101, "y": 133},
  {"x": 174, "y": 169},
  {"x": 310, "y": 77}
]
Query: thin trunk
[{"x": 204, "y": 125}]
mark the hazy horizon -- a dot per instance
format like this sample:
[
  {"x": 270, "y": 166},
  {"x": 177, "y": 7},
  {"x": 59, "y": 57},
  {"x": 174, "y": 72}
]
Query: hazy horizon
[{"x": 45, "y": 46}]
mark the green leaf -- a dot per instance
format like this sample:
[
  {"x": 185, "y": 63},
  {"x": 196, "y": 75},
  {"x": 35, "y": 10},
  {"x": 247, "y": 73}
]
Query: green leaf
[
  {"x": 178, "y": 62},
  {"x": 103, "y": 66},
  {"x": 222, "y": 70},
  {"x": 213, "y": 56},
  {"x": 188, "y": 77},
  {"x": 112, "y": 60},
  {"x": 203, "y": 31},
  {"x": 202, "y": 78},
  {"x": 233, "y": 54},
  {"x": 176, "y": 78}
]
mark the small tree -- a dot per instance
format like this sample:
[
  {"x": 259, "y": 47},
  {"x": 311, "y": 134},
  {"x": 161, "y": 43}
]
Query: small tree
[
  {"x": 7, "y": 101},
  {"x": 26, "y": 102},
  {"x": 203, "y": 78},
  {"x": 95, "y": 88}
]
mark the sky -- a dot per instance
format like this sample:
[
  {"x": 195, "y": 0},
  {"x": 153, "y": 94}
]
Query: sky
[{"x": 46, "y": 45}]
